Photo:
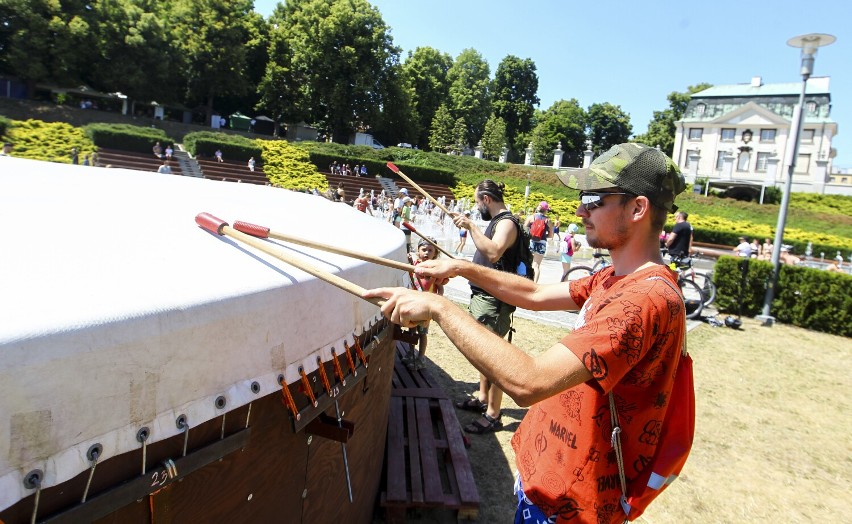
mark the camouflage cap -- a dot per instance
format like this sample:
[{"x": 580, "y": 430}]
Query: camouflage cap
[{"x": 633, "y": 167}]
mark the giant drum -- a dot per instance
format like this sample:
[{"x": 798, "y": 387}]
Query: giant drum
[{"x": 151, "y": 371}]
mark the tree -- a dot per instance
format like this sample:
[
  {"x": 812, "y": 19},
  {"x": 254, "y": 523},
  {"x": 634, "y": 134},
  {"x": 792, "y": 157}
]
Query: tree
[
  {"x": 280, "y": 90},
  {"x": 133, "y": 52},
  {"x": 459, "y": 136},
  {"x": 514, "y": 98},
  {"x": 397, "y": 120},
  {"x": 45, "y": 41},
  {"x": 469, "y": 97},
  {"x": 662, "y": 129},
  {"x": 210, "y": 37},
  {"x": 608, "y": 125},
  {"x": 441, "y": 135},
  {"x": 494, "y": 138},
  {"x": 425, "y": 76},
  {"x": 565, "y": 122},
  {"x": 344, "y": 51}
]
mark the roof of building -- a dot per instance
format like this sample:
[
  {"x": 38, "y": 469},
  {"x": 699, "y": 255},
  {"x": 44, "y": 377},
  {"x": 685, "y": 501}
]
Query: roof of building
[{"x": 816, "y": 86}]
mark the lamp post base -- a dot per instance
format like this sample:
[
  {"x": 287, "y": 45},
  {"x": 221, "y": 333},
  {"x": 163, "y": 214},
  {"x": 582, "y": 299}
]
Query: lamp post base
[{"x": 766, "y": 320}]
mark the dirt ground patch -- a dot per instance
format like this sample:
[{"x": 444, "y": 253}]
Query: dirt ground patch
[{"x": 772, "y": 442}]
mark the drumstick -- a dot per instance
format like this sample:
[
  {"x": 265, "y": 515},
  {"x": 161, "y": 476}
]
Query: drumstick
[
  {"x": 427, "y": 239},
  {"x": 220, "y": 227},
  {"x": 396, "y": 170},
  {"x": 264, "y": 232}
]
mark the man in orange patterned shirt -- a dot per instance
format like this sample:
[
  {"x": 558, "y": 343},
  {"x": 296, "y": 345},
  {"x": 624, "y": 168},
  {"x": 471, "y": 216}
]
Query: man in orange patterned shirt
[{"x": 627, "y": 341}]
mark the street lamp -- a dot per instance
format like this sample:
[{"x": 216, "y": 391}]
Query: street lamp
[{"x": 809, "y": 44}]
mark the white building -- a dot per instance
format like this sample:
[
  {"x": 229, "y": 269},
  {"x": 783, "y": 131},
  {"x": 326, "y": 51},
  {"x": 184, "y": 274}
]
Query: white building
[{"x": 737, "y": 136}]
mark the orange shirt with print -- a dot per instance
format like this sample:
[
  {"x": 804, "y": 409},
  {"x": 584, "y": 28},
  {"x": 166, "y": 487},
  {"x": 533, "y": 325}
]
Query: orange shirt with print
[{"x": 628, "y": 335}]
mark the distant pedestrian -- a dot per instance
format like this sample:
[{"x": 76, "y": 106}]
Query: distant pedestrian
[
  {"x": 251, "y": 164},
  {"x": 462, "y": 237},
  {"x": 743, "y": 249},
  {"x": 7, "y": 149},
  {"x": 74, "y": 156},
  {"x": 169, "y": 152},
  {"x": 218, "y": 155},
  {"x": 363, "y": 169},
  {"x": 86, "y": 161}
]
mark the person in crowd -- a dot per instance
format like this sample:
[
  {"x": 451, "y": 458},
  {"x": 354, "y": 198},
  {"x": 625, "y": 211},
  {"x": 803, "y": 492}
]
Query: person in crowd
[
  {"x": 556, "y": 237},
  {"x": 568, "y": 246},
  {"x": 626, "y": 342},
  {"x": 251, "y": 164},
  {"x": 755, "y": 248},
  {"x": 498, "y": 248},
  {"x": 362, "y": 203},
  {"x": 425, "y": 251},
  {"x": 157, "y": 150},
  {"x": 785, "y": 257},
  {"x": 341, "y": 192},
  {"x": 459, "y": 250},
  {"x": 169, "y": 152},
  {"x": 363, "y": 169},
  {"x": 679, "y": 241},
  {"x": 538, "y": 246},
  {"x": 743, "y": 249},
  {"x": 405, "y": 216},
  {"x": 7, "y": 149},
  {"x": 766, "y": 250},
  {"x": 86, "y": 161},
  {"x": 95, "y": 159},
  {"x": 165, "y": 169},
  {"x": 218, "y": 155},
  {"x": 75, "y": 156}
]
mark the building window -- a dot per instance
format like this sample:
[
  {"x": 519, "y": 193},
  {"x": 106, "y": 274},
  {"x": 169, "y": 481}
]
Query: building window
[
  {"x": 720, "y": 160},
  {"x": 811, "y": 107},
  {"x": 762, "y": 159},
  {"x": 767, "y": 135},
  {"x": 803, "y": 164},
  {"x": 699, "y": 109},
  {"x": 695, "y": 133},
  {"x": 728, "y": 134},
  {"x": 744, "y": 161},
  {"x": 807, "y": 136},
  {"x": 689, "y": 152},
  {"x": 843, "y": 180}
]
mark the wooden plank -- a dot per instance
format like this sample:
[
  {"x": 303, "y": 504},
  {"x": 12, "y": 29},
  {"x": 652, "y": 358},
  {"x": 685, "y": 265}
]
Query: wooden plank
[
  {"x": 397, "y": 481},
  {"x": 468, "y": 494},
  {"x": 414, "y": 451},
  {"x": 428, "y": 453},
  {"x": 433, "y": 393}
]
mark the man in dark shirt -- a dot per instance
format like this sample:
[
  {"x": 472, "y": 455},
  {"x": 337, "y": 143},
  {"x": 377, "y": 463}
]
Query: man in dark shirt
[{"x": 679, "y": 241}]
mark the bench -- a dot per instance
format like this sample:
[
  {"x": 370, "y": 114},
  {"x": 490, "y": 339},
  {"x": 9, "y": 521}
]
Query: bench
[
  {"x": 711, "y": 250},
  {"x": 426, "y": 464}
]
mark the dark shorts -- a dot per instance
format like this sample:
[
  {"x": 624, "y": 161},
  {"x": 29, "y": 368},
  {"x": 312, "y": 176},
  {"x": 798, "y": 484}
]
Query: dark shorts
[
  {"x": 538, "y": 247},
  {"x": 491, "y": 313}
]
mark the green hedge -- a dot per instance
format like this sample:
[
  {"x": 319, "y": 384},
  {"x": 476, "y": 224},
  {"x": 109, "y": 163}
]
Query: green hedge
[
  {"x": 233, "y": 147},
  {"x": 4, "y": 125},
  {"x": 805, "y": 297},
  {"x": 126, "y": 137},
  {"x": 379, "y": 167}
]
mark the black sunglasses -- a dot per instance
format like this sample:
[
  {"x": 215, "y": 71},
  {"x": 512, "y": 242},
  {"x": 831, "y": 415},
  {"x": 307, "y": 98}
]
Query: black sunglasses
[{"x": 592, "y": 200}]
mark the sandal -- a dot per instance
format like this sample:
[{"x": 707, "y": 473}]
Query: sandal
[
  {"x": 486, "y": 424},
  {"x": 472, "y": 404}
]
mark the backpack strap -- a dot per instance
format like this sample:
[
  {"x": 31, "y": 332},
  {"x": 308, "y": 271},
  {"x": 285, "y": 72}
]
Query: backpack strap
[{"x": 615, "y": 439}]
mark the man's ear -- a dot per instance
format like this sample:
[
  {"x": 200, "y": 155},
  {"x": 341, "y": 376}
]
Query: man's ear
[{"x": 640, "y": 208}]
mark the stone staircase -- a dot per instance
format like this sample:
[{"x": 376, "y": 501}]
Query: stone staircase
[{"x": 188, "y": 165}]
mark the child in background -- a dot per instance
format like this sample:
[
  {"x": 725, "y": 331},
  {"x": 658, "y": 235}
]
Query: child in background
[
  {"x": 567, "y": 247},
  {"x": 425, "y": 251},
  {"x": 462, "y": 237}
]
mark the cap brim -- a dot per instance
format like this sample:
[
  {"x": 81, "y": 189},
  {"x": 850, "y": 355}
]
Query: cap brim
[{"x": 584, "y": 178}]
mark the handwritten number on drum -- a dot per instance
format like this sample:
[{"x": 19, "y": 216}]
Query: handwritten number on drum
[{"x": 159, "y": 478}]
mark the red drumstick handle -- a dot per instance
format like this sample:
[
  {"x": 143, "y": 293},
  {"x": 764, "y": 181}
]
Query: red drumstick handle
[
  {"x": 252, "y": 229},
  {"x": 210, "y": 223}
]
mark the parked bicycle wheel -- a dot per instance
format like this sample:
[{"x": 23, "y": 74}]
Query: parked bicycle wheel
[
  {"x": 708, "y": 287},
  {"x": 693, "y": 298},
  {"x": 576, "y": 272}
]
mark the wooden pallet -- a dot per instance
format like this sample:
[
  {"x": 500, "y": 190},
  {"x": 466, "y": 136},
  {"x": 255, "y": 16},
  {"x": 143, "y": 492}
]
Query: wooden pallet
[{"x": 426, "y": 461}]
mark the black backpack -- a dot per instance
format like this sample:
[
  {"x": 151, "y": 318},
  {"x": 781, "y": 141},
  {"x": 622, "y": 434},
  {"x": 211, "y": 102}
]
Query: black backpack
[{"x": 520, "y": 261}]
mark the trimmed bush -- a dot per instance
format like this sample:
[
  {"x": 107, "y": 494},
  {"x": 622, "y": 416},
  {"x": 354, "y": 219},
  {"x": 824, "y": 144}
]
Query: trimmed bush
[
  {"x": 805, "y": 297},
  {"x": 4, "y": 125},
  {"x": 51, "y": 141},
  {"x": 126, "y": 137},
  {"x": 233, "y": 147},
  {"x": 287, "y": 166}
]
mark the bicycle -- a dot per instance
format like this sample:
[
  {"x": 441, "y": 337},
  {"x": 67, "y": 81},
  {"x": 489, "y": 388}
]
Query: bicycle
[
  {"x": 703, "y": 280},
  {"x": 578, "y": 272},
  {"x": 693, "y": 297}
]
